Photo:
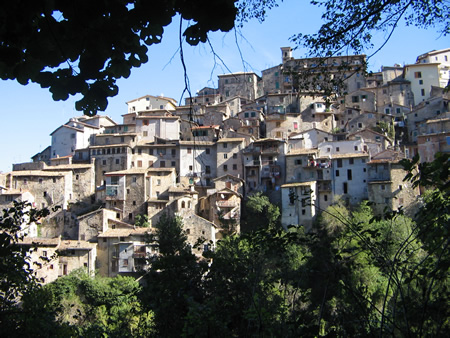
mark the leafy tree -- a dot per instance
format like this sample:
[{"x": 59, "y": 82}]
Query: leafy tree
[
  {"x": 142, "y": 221},
  {"x": 86, "y": 48},
  {"x": 349, "y": 25},
  {"x": 174, "y": 279},
  {"x": 258, "y": 212},
  {"x": 246, "y": 287},
  {"x": 79, "y": 305},
  {"x": 16, "y": 274}
]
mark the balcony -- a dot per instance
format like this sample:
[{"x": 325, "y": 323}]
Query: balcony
[
  {"x": 226, "y": 204},
  {"x": 252, "y": 150},
  {"x": 317, "y": 165},
  {"x": 114, "y": 192},
  {"x": 270, "y": 150},
  {"x": 324, "y": 187},
  {"x": 140, "y": 255}
]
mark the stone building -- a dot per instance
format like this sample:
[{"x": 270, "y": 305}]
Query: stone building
[
  {"x": 299, "y": 204},
  {"x": 229, "y": 157},
  {"x": 238, "y": 84},
  {"x": 198, "y": 162},
  {"x": 386, "y": 187},
  {"x": 123, "y": 250}
]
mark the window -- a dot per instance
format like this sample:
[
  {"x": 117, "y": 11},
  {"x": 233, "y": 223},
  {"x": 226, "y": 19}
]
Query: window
[
  {"x": 422, "y": 92},
  {"x": 383, "y": 187},
  {"x": 104, "y": 162},
  {"x": 245, "y": 114},
  {"x": 139, "y": 164},
  {"x": 252, "y": 114},
  {"x": 350, "y": 161},
  {"x": 189, "y": 150},
  {"x": 278, "y": 124},
  {"x": 134, "y": 179},
  {"x": 234, "y": 166},
  {"x": 225, "y": 155},
  {"x": 190, "y": 168},
  {"x": 298, "y": 162},
  {"x": 417, "y": 75},
  {"x": 325, "y": 198},
  {"x": 337, "y": 173},
  {"x": 145, "y": 133},
  {"x": 150, "y": 151},
  {"x": 235, "y": 155},
  {"x": 162, "y": 164},
  {"x": 72, "y": 135},
  {"x": 130, "y": 216},
  {"x": 355, "y": 99},
  {"x": 225, "y": 145},
  {"x": 134, "y": 202},
  {"x": 421, "y": 82},
  {"x": 44, "y": 253},
  {"x": 117, "y": 161},
  {"x": 345, "y": 187},
  {"x": 45, "y": 194},
  {"x": 337, "y": 149},
  {"x": 349, "y": 174},
  {"x": 174, "y": 152},
  {"x": 40, "y": 180},
  {"x": 173, "y": 164},
  {"x": 387, "y": 111},
  {"x": 339, "y": 163},
  {"x": 225, "y": 167},
  {"x": 145, "y": 122},
  {"x": 208, "y": 151}
]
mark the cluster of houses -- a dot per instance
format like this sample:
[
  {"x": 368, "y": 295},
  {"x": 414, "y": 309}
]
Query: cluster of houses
[{"x": 200, "y": 160}]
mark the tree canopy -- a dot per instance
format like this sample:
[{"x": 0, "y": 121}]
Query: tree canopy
[{"x": 85, "y": 48}]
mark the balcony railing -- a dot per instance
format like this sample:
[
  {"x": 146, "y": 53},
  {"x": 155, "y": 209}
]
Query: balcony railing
[
  {"x": 226, "y": 204},
  {"x": 270, "y": 150},
  {"x": 139, "y": 255},
  {"x": 112, "y": 190}
]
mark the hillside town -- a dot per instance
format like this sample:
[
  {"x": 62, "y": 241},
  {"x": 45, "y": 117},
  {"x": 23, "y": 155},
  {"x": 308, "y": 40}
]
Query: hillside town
[{"x": 280, "y": 133}]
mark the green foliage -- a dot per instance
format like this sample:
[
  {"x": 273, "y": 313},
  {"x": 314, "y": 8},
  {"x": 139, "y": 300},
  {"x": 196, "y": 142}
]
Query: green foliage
[
  {"x": 350, "y": 24},
  {"x": 57, "y": 45},
  {"x": 258, "y": 212},
  {"x": 174, "y": 279},
  {"x": 80, "y": 305},
  {"x": 247, "y": 287},
  {"x": 386, "y": 128},
  {"x": 142, "y": 221},
  {"x": 16, "y": 277}
]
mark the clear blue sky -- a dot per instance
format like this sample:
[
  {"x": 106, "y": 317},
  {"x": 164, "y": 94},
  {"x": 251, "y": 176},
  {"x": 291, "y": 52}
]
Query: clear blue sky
[{"x": 28, "y": 114}]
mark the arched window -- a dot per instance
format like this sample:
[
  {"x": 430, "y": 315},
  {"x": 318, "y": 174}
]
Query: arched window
[{"x": 183, "y": 205}]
